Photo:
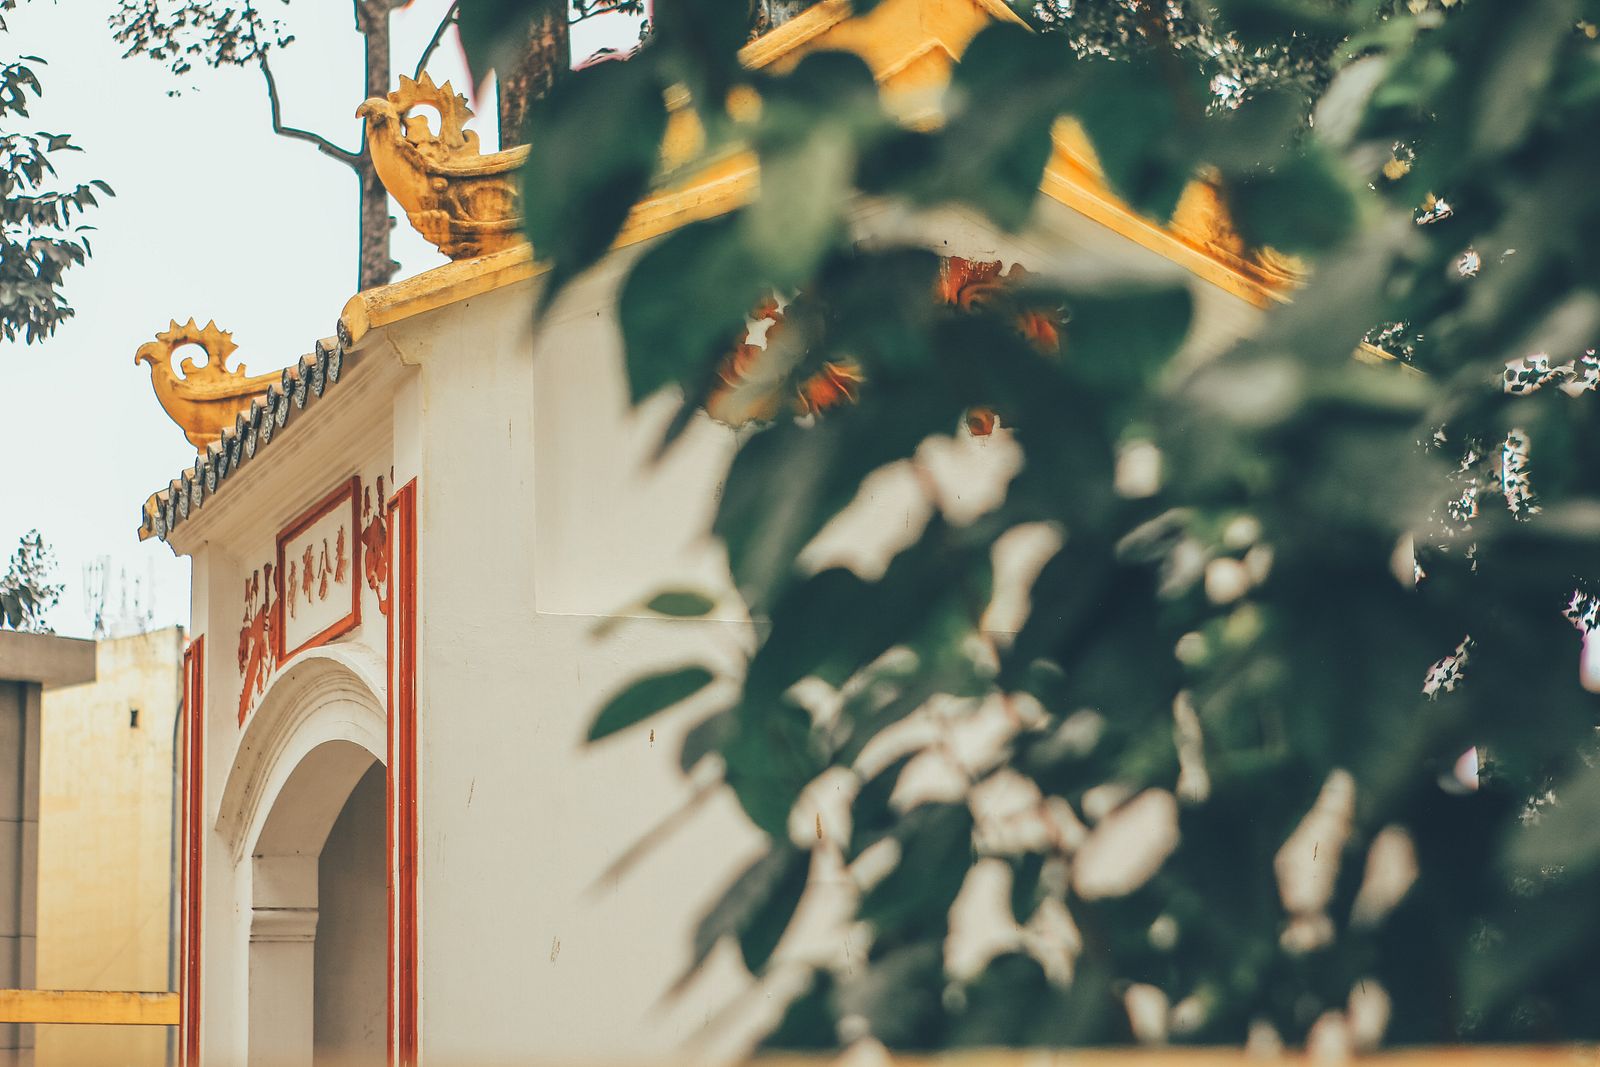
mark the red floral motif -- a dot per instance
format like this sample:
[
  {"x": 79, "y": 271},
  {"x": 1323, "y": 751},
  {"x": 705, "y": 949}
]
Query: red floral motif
[
  {"x": 288, "y": 584},
  {"x": 981, "y": 421},
  {"x": 1041, "y": 329},
  {"x": 834, "y": 384},
  {"x": 341, "y": 567},
  {"x": 256, "y": 660},
  {"x": 375, "y": 546},
  {"x": 318, "y": 572},
  {"x": 965, "y": 284}
]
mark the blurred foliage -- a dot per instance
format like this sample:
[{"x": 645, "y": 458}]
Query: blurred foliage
[
  {"x": 27, "y": 590},
  {"x": 1291, "y": 590},
  {"x": 41, "y": 237}
]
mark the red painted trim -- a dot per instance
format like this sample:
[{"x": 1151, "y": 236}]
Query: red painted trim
[
  {"x": 312, "y": 515},
  {"x": 389, "y": 786},
  {"x": 194, "y": 704},
  {"x": 402, "y": 777},
  {"x": 388, "y": 808}
]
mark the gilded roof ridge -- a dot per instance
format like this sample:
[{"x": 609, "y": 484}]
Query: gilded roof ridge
[{"x": 253, "y": 429}]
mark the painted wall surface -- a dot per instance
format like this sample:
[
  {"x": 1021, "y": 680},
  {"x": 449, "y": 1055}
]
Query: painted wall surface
[
  {"x": 543, "y": 931},
  {"x": 105, "y": 843},
  {"x": 19, "y": 845},
  {"x": 288, "y": 732},
  {"x": 543, "y": 514}
]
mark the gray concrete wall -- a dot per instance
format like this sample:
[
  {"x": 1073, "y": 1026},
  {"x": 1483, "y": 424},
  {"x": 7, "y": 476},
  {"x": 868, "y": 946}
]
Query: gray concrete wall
[{"x": 19, "y": 852}]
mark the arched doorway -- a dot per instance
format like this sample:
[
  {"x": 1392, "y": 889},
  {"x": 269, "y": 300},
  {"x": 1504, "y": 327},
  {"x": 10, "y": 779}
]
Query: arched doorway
[
  {"x": 349, "y": 1009},
  {"x": 318, "y": 931}
]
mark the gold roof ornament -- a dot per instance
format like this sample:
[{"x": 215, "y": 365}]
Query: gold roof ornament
[
  {"x": 207, "y": 398},
  {"x": 463, "y": 202}
]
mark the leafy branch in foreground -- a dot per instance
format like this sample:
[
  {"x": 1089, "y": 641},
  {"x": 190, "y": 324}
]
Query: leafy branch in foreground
[
  {"x": 1223, "y": 789},
  {"x": 41, "y": 237}
]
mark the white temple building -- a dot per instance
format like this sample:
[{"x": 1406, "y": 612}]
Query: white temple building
[{"x": 398, "y": 847}]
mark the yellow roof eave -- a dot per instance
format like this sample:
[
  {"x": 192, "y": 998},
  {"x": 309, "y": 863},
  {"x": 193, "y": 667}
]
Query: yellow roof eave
[{"x": 911, "y": 47}]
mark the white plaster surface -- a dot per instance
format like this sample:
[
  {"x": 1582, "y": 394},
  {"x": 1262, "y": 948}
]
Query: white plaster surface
[{"x": 540, "y": 515}]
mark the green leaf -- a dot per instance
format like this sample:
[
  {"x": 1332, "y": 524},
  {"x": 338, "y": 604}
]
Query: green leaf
[
  {"x": 1257, "y": 133},
  {"x": 684, "y": 305},
  {"x": 923, "y": 590},
  {"x": 813, "y": 122},
  {"x": 1303, "y": 204},
  {"x": 1144, "y": 119},
  {"x": 1025, "y": 871},
  {"x": 681, "y": 603},
  {"x": 786, "y": 483},
  {"x": 935, "y": 853},
  {"x": 1262, "y": 23},
  {"x": 900, "y": 994},
  {"x": 704, "y": 738},
  {"x": 992, "y": 151},
  {"x": 646, "y": 697},
  {"x": 1509, "y": 90},
  {"x": 871, "y": 817},
  {"x": 494, "y": 32},
  {"x": 810, "y": 1022},
  {"x": 879, "y": 306},
  {"x": 597, "y": 139},
  {"x": 1564, "y": 834},
  {"x": 704, "y": 37},
  {"x": 1120, "y": 338},
  {"x": 1006, "y": 1006},
  {"x": 756, "y": 907},
  {"x": 799, "y": 215},
  {"x": 769, "y": 758}
]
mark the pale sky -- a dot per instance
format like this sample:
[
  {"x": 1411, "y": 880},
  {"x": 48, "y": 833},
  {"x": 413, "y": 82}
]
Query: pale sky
[{"x": 214, "y": 217}]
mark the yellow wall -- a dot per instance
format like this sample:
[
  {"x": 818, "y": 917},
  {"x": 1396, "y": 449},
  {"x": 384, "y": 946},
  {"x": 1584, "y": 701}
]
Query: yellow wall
[{"x": 105, "y": 843}]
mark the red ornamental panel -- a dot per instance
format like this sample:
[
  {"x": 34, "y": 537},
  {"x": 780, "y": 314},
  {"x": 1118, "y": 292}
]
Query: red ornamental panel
[{"x": 319, "y": 557}]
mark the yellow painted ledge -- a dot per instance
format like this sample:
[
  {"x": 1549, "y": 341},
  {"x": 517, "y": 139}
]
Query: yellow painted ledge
[
  {"x": 728, "y": 185},
  {"x": 1422, "y": 1056},
  {"x": 911, "y": 46},
  {"x": 722, "y": 187},
  {"x": 88, "y": 1007}
]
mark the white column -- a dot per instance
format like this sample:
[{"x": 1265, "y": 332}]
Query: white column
[{"x": 283, "y": 942}]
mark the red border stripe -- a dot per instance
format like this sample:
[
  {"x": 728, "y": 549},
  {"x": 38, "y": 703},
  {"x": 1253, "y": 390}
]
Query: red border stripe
[{"x": 403, "y": 1007}]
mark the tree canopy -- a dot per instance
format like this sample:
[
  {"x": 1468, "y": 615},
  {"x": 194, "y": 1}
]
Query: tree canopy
[
  {"x": 28, "y": 589},
  {"x": 1300, "y": 722},
  {"x": 181, "y": 34},
  {"x": 42, "y": 234}
]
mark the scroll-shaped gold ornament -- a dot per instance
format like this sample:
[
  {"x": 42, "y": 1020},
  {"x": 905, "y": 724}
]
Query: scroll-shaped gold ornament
[
  {"x": 206, "y": 399},
  {"x": 463, "y": 202}
]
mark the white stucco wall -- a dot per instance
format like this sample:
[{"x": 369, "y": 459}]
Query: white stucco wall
[{"x": 539, "y": 515}]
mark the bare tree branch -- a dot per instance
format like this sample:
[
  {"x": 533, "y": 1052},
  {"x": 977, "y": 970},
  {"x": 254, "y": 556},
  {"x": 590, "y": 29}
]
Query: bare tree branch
[
  {"x": 325, "y": 146},
  {"x": 624, "y": 7},
  {"x": 438, "y": 35}
]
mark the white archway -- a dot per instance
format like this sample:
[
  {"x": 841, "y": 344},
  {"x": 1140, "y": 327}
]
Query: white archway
[
  {"x": 319, "y": 728},
  {"x": 332, "y": 693}
]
